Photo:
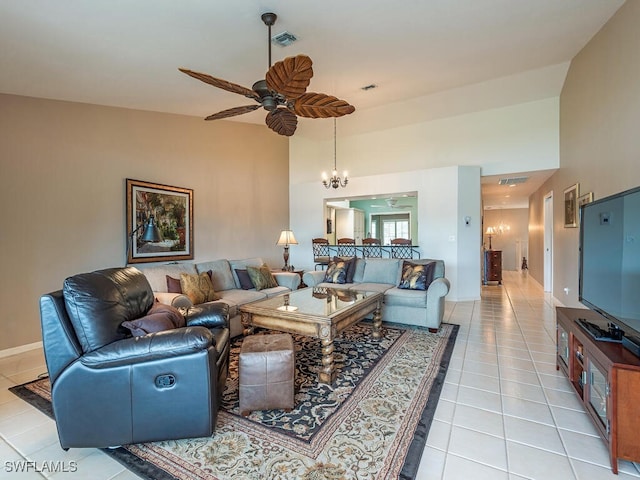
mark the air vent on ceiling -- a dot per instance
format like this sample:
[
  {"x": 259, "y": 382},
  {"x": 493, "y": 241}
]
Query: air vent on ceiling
[
  {"x": 284, "y": 39},
  {"x": 512, "y": 180}
]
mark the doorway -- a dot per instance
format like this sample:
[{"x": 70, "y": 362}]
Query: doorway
[{"x": 548, "y": 242}]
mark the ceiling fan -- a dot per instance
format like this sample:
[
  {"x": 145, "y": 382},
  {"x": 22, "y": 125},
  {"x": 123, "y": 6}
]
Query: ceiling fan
[
  {"x": 391, "y": 203},
  {"x": 283, "y": 92}
]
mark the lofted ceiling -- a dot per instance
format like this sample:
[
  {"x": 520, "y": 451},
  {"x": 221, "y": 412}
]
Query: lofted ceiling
[{"x": 126, "y": 53}]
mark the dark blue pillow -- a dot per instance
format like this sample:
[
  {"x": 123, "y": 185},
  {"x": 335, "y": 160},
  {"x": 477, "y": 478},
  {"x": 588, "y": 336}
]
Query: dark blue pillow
[
  {"x": 245, "y": 279},
  {"x": 336, "y": 271},
  {"x": 416, "y": 276}
]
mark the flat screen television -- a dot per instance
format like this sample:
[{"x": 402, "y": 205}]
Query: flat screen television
[{"x": 609, "y": 279}]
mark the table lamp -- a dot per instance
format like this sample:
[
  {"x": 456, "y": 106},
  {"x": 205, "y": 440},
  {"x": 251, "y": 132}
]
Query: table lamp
[
  {"x": 490, "y": 232},
  {"x": 287, "y": 238}
]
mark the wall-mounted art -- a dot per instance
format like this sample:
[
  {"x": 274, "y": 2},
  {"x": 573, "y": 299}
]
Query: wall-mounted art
[
  {"x": 571, "y": 206},
  {"x": 159, "y": 222},
  {"x": 584, "y": 199}
]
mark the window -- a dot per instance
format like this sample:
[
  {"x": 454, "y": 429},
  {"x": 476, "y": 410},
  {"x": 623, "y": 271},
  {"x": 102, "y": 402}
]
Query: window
[{"x": 390, "y": 226}]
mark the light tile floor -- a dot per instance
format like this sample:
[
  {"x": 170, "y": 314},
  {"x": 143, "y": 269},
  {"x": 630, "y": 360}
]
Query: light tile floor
[{"x": 504, "y": 413}]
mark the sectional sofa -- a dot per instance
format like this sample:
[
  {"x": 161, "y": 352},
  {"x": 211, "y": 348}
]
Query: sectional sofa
[
  {"x": 226, "y": 283},
  {"x": 401, "y": 305}
]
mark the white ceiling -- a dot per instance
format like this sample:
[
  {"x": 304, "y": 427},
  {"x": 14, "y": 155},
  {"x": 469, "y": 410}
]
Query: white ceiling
[{"x": 126, "y": 53}]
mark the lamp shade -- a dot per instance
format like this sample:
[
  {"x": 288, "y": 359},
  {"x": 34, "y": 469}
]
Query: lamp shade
[
  {"x": 151, "y": 231},
  {"x": 287, "y": 238},
  {"x": 490, "y": 231}
]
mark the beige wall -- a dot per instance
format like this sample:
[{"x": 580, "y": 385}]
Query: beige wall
[
  {"x": 599, "y": 119},
  {"x": 62, "y": 192},
  {"x": 514, "y": 237}
]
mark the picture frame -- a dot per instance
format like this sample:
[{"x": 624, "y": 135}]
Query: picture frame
[
  {"x": 571, "y": 206},
  {"x": 152, "y": 208},
  {"x": 584, "y": 199}
]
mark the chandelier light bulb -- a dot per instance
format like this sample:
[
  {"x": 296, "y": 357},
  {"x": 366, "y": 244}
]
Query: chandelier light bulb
[{"x": 335, "y": 181}]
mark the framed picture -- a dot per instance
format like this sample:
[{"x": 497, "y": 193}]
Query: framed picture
[
  {"x": 571, "y": 206},
  {"x": 584, "y": 199},
  {"x": 159, "y": 222}
]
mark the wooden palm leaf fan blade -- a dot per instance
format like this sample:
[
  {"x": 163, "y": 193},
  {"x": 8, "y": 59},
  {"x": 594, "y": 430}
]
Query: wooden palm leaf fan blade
[
  {"x": 282, "y": 121},
  {"x": 290, "y": 77},
  {"x": 223, "y": 84},
  {"x": 232, "y": 112},
  {"x": 320, "y": 105}
]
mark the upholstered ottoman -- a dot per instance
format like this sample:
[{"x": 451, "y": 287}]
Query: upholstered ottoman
[{"x": 266, "y": 371}]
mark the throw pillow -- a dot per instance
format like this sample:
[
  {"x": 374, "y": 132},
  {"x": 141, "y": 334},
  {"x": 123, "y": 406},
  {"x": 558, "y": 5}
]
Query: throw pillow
[
  {"x": 198, "y": 288},
  {"x": 351, "y": 267},
  {"x": 261, "y": 277},
  {"x": 160, "y": 317},
  {"x": 416, "y": 276},
  {"x": 244, "y": 278},
  {"x": 173, "y": 285},
  {"x": 336, "y": 271}
]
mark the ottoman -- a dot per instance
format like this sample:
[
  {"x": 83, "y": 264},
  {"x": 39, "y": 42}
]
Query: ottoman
[{"x": 266, "y": 371}]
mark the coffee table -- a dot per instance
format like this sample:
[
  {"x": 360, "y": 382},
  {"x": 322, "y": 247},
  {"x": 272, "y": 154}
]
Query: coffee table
[{"x": 318, "y": 313}]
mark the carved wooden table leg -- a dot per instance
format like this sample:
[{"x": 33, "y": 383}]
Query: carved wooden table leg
[
  {"x": 245, "y": 318},
  {"x": 327, "y": 373},
  {"x": 377, "y": 322}
]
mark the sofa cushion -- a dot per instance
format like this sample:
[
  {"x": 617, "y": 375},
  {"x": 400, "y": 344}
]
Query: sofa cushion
[
  {"x": 198, "y": 288},
  {"x": 372, "y": 287},
  {"x": 98, "y": 303},
  {"x": 405, "y": 298},
  {"x": 244, "y": 279},
  {"x": 358, "y": 272},
  {"x": 157, "y": 274},
  {"x": 272, "y": 292},
  {"x": 240, "y": 297},
  {"x": 261, "y": 277},
  {"x": 242, "y": 265},
  {"x": 336, "y": 271},
  {"x": 382, "y": 270},
  {"x": 221, "y": 275},
  {"x": 416, "y": 276},
  {"x": 160, "y": 317}
]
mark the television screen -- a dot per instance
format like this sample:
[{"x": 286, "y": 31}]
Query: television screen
[{"x": 610, "y": 258}]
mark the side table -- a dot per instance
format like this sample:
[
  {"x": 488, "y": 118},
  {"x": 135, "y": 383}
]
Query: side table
[{"x": 299, "y": 272}]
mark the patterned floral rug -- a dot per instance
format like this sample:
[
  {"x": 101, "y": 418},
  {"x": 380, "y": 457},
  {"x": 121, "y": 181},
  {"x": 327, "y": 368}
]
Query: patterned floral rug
[{"x": 371, "y": 424}]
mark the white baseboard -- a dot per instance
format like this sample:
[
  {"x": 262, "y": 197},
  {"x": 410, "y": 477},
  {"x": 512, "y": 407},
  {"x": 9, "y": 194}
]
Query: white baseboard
[{"x": 21, "y": 349}]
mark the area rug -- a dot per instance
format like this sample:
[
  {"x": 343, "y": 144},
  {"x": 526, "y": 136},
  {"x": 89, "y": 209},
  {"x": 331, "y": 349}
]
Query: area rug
[{"x": 371, "y": 424}]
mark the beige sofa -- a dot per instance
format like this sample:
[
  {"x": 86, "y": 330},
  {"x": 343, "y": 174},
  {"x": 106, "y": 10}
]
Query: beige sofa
[
  {"x": 413, "y": 307},
  {"x": 225, "y": 283}
]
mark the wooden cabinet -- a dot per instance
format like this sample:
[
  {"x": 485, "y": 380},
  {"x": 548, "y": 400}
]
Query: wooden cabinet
[
  {"x": 606, "y": 377},
  {"x": 492, "y": 266}
]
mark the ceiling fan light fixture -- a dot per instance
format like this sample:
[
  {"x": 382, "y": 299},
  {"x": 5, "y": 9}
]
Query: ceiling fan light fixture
[{"x": 282, "y": 92}]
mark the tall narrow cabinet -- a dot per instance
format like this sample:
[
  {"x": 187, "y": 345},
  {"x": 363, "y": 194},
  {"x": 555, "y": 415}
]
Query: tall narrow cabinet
[
  {"x": 606, "y": 378},
  {"x": 493, "y": 266}
]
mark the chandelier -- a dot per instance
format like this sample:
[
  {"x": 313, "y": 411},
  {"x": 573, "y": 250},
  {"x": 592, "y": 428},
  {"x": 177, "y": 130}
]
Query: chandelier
[{"x": 335, "y": 181}]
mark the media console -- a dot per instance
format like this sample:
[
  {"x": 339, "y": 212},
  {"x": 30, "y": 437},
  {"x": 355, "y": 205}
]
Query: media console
[{"x": 606, "y": 377}]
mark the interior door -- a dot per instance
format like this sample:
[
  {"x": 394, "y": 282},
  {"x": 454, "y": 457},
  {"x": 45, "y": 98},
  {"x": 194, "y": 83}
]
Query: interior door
[{"x": 548, "y": 242}]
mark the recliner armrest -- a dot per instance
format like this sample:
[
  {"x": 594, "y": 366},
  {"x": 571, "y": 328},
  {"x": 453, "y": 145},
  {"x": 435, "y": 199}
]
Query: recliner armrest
[
  {"x": 210, "y": 315},
  {"x": 153, "y": 346}
]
